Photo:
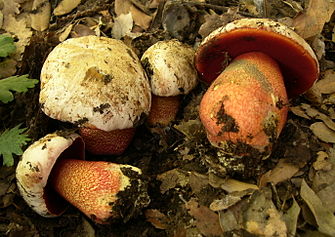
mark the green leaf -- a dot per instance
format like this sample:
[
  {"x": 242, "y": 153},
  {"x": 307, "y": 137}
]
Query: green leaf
[
  {"x": 14, "y": 83},
  {"x": 7, "y": 45},
  {"x": 11, "y": 142}
]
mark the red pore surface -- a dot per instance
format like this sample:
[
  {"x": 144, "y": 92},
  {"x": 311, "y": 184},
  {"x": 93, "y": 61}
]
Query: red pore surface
[
  {"x": 99, "y": 142},
  {"x": 89, "y": 186},
  {"x": 299, "y": 69},
  {"x": 163, "y": 110},
  {"x": 246, "y": 104}
]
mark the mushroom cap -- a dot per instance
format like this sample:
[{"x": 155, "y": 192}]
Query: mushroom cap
[
  {"x": 170, "y": 68},
  {"x": 33, "y": 171},
  {"x": 95, "y": 82},
  {"x": 296, "y": 58}
]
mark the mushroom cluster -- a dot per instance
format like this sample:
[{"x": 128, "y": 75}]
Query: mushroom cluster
[
  {"x": 245, "y": 107},
  {"x": 99, "y": 85}
]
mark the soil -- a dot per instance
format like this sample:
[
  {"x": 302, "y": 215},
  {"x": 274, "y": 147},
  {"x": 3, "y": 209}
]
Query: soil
[{"x": 185, "y": 174}]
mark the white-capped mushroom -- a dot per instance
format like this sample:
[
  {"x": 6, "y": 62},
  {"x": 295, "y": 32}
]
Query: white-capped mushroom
[
  {"x": 53, "y": 172},
  {"x": 170, "y": 67},
  {"x": 33, "y": 171},
  {"x": 97, "y": 83}
]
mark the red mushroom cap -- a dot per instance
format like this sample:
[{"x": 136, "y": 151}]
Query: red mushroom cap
[{"x": 295, "y": 57}]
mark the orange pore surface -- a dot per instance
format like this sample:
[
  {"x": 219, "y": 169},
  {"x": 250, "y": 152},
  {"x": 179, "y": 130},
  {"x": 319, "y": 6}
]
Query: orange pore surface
[
  {"x": 163, "y": 110},
  {"x": 89, "y": 186},
  {"x": 99, "y": 142},
  {"x": 237, "y": 104},
  {"x": 299, "y": 69}
]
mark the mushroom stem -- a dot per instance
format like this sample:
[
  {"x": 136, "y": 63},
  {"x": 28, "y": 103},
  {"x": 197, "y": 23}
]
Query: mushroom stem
[
  {"x": 245, "y": 108},
  {"x": 113, "y": 142},
  {"x": 93, "y": 187},
  {"x": 163, "y": 110}
]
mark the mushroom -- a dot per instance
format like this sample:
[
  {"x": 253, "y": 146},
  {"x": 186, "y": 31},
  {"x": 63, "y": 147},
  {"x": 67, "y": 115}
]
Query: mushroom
[
  {"x": 53, "y": 171},
  {"x": 98, "y": 84},
  {"x": 245, "y": 107},
  {"x": 170, "y": 67}
]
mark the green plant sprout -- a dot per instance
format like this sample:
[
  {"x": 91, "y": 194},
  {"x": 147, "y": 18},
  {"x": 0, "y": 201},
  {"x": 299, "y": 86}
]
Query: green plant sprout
[{"x": 12, "y": 140}]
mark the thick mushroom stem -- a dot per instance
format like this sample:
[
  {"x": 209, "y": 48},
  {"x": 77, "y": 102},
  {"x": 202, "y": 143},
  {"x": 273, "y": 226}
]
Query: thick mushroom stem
[
  {"x": 100, "y": 142},
  {"x": 163, "y": 110},
  {"x": 95, "y": 187},
  {"x": 245, "y": 108}
]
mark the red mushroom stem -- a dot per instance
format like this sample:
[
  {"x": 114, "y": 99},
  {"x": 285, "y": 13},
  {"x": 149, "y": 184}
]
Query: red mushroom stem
[
  {"x": 90, "y": 186},
  {"x": 100, "y": 142},
  {"x": 245, "y": 108},
  {"x": 163, "y": 110}
]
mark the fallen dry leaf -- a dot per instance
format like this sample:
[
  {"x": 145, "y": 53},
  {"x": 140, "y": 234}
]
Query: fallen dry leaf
[
  {"x": 224, "y": 203},
  {"x": 7, "y": 67},
  {"x": 319, "y": 46},
  {"x": 230, "y": 185},
  {"x": 297, "y": 110},
  {"x": 207, "y": 221},
  {"x": 326, "y": 85},
  {"x": 40, "y": 15},
  {"x": 323, "y": 132},
  {"x": 140, "y": 18},
  {"x": 323, "y": 178},
  {"x": 19, "y": 28},
  {"x": 10, "y": 8},
  {"x": 284, "y": 170},
  {"x": 197, "y": 181},
  {"x": 262, "y": 218},
  {"x": 229, "y": 221},
  {"x": 66, "y": 6},
  {"x": 80, "y": 30},
  {"x": 324, "y": 218},
  {"x": 157, "y": 219},
  {"x": 123, "y": 25},
  {"x": 314, "y": 113},
  {"x": 65, "y": 32},
  {"x": 172, "y": 178},
  {"x": 322, "y": 162},
  {"x": 291, "y": 218},
  {"x": 311, "y": 22},
  {"x": 214, "y": 21},
  {"x": 122, "y": 7},
  {"x": 250, "y": 6},
  {"x": 192, "y": 128}
]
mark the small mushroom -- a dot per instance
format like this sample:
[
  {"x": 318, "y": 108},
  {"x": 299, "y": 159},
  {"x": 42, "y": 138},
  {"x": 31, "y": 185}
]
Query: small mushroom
[
  {"x": 99, "y": 84},
  {"x": 245, "y": 108},
  {"x": 170, "y": 67},
  {"x": 53, "y": 172}
]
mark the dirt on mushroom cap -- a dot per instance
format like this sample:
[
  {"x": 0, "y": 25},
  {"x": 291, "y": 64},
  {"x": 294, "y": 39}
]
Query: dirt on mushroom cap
[
  {"x": 170, "y": 68},
  {"x": 96, "y": 80}
]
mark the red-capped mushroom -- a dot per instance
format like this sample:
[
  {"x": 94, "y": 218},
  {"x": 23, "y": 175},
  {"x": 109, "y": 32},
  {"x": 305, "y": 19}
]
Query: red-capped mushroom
[
  {"x": 98, "y": 84},
  {"x": 53, "y": 171},
  {"x": 245, "y": 108},
  {"x": 170, "y": 67}
]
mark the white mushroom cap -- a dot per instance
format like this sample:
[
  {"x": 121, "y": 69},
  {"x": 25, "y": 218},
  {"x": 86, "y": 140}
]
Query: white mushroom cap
[
  {"x": 95, "y": 82},
  {"x": 35, "y": 166},
  {"x": 170, "y": 68}
]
